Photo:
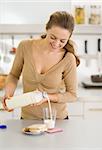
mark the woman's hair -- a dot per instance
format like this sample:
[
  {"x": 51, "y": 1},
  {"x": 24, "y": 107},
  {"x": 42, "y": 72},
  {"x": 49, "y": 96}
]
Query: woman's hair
[
  {"x": 64, "y": 20},
  {"x": 61, "y": 19}
]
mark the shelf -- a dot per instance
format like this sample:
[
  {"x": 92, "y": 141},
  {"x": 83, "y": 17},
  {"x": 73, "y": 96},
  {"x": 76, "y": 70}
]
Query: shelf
[
  {"x": 88, "y": 29},
  {"x": 21, "y": 28},
  {"x": 89, "y": 56},
  {"x": 40, "y": 28}
]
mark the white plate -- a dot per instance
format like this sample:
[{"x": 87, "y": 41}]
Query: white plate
[
  {"x": 38, "y": 132},
  {"x": 35, "y": 129}
]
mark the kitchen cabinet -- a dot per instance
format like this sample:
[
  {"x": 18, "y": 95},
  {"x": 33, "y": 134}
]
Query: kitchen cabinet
[
  {"x": 76, "y": 109},
  {"x": 16, "y": 113},
  {"x": 93, "y": 110},
  {"x": 85, "y": 110},
  {"x": 4, "y": 115},
  {"x": 88, "y": 105}
]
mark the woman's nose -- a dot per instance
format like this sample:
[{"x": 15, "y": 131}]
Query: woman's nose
[{"x": 57, "y": 42}]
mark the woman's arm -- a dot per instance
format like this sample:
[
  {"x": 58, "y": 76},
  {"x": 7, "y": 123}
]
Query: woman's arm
[
  {"x": 70, "y": 81},
  {"x": 14, "y": 75},
  {"x": 10, "y": 88}
]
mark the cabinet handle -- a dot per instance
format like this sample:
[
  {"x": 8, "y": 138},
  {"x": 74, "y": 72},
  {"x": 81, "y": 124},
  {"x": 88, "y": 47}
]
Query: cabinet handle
[{"x": 95, "y": 109}]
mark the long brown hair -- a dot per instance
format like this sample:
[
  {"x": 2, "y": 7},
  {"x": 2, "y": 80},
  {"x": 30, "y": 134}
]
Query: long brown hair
[{"x": 64, "y": 20}]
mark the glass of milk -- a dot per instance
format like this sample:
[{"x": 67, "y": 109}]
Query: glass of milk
[{"x": 49, "y": 117}]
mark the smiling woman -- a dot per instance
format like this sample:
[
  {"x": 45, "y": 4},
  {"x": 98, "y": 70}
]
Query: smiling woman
[
  {"x": 47, "y": 64},
  {"x": 57, "y": 37}
]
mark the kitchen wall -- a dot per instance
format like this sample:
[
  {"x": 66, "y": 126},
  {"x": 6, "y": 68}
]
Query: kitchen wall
[
  {"x": 30, "y": 12},
  {"x": 89, "y": 62},
  {"x": 23, "y": 12},
  {"x": 37, "y": 12}
]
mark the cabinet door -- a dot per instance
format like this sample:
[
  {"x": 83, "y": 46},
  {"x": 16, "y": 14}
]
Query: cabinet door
[
  {"x": 75, "y": 109},
  {"x": 4, "y": 115},
  {"x": 93, "y": 110},
  {"x": 16, "y": 113}
]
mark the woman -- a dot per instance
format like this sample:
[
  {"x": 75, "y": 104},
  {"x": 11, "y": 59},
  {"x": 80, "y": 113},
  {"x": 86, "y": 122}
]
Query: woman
[{"x": 47, "y": 64}]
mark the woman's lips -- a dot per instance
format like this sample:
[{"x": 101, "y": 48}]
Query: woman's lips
[{"x": 54, "y": 47}]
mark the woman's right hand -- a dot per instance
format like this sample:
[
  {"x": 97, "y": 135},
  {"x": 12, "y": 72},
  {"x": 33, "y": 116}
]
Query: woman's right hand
[{"x": 4, "y": 103}]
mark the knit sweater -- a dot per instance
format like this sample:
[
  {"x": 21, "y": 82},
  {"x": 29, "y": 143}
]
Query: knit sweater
[{"x": 60, "y": 79}]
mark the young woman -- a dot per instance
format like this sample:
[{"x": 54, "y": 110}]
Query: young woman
[{"x": 47, "y": 64}]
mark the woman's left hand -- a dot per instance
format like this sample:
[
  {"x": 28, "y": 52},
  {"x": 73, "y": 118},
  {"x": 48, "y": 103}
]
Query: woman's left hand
[
  {"x": 39, "y": 103},
  {"x": 53, "y": 97}
]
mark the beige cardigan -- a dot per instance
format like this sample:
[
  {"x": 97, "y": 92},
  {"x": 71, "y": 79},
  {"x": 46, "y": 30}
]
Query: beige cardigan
[{"x": 61, "y": 79}]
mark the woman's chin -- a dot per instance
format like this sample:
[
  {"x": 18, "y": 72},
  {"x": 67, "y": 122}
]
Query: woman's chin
[{"x": 54, "y": 49}]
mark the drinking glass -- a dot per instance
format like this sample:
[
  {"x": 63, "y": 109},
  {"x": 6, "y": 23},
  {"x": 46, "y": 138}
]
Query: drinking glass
[{"x": 49, "y": 117}]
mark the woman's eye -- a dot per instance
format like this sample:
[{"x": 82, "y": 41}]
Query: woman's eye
[
  {"x": 53, "y": 38},
  {"x": 62, "y": 41}
]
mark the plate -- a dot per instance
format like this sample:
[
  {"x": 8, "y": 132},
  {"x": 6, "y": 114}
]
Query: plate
[
  {"x": 38, "y": 132},
  {"x": 35, "y": 129}
]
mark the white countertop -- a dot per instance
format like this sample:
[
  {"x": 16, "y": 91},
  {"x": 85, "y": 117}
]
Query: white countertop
[
  {"x": 89, "y": 95},
  {"x": 78, "y": 134}
]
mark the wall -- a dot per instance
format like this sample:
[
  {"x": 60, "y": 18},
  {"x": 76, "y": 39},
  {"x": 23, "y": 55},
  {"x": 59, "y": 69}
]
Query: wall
[
  {"x": 37, "y": 12},
  {"x": 30, "y": 12}
]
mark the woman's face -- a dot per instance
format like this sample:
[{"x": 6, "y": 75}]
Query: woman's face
[{"x": 57, "y": 37}]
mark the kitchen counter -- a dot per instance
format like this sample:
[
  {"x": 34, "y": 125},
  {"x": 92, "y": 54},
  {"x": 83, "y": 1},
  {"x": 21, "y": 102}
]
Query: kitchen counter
[
  {"x": 78, "y": 134},
  {"x": 91, "y": 95}
]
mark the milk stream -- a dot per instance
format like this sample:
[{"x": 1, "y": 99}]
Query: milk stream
[
  {"x": 50, "y": 109},
  {"x": 50, "y": 123}
]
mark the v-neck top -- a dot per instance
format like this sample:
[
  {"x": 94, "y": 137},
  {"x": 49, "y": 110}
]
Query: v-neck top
[{"x": 60, "y": 79}]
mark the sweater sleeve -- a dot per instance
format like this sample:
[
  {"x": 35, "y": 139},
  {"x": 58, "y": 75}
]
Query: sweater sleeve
[
  {"x": 17, "y": 66},
  {"x": 70, "y": 81}
]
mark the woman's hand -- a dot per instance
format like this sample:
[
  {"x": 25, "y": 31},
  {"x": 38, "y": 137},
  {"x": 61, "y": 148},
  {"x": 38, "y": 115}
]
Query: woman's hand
[
  {"x": 39, "y": 103},
  {"x": 4, "y": 103},
  {"x": 52, "y": 97}
]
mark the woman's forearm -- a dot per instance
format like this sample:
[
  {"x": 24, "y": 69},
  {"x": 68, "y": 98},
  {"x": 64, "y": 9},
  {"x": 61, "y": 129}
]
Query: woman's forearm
[
  {"x": 10, "y": 89},
  {"x": 63, "y": 97}
]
